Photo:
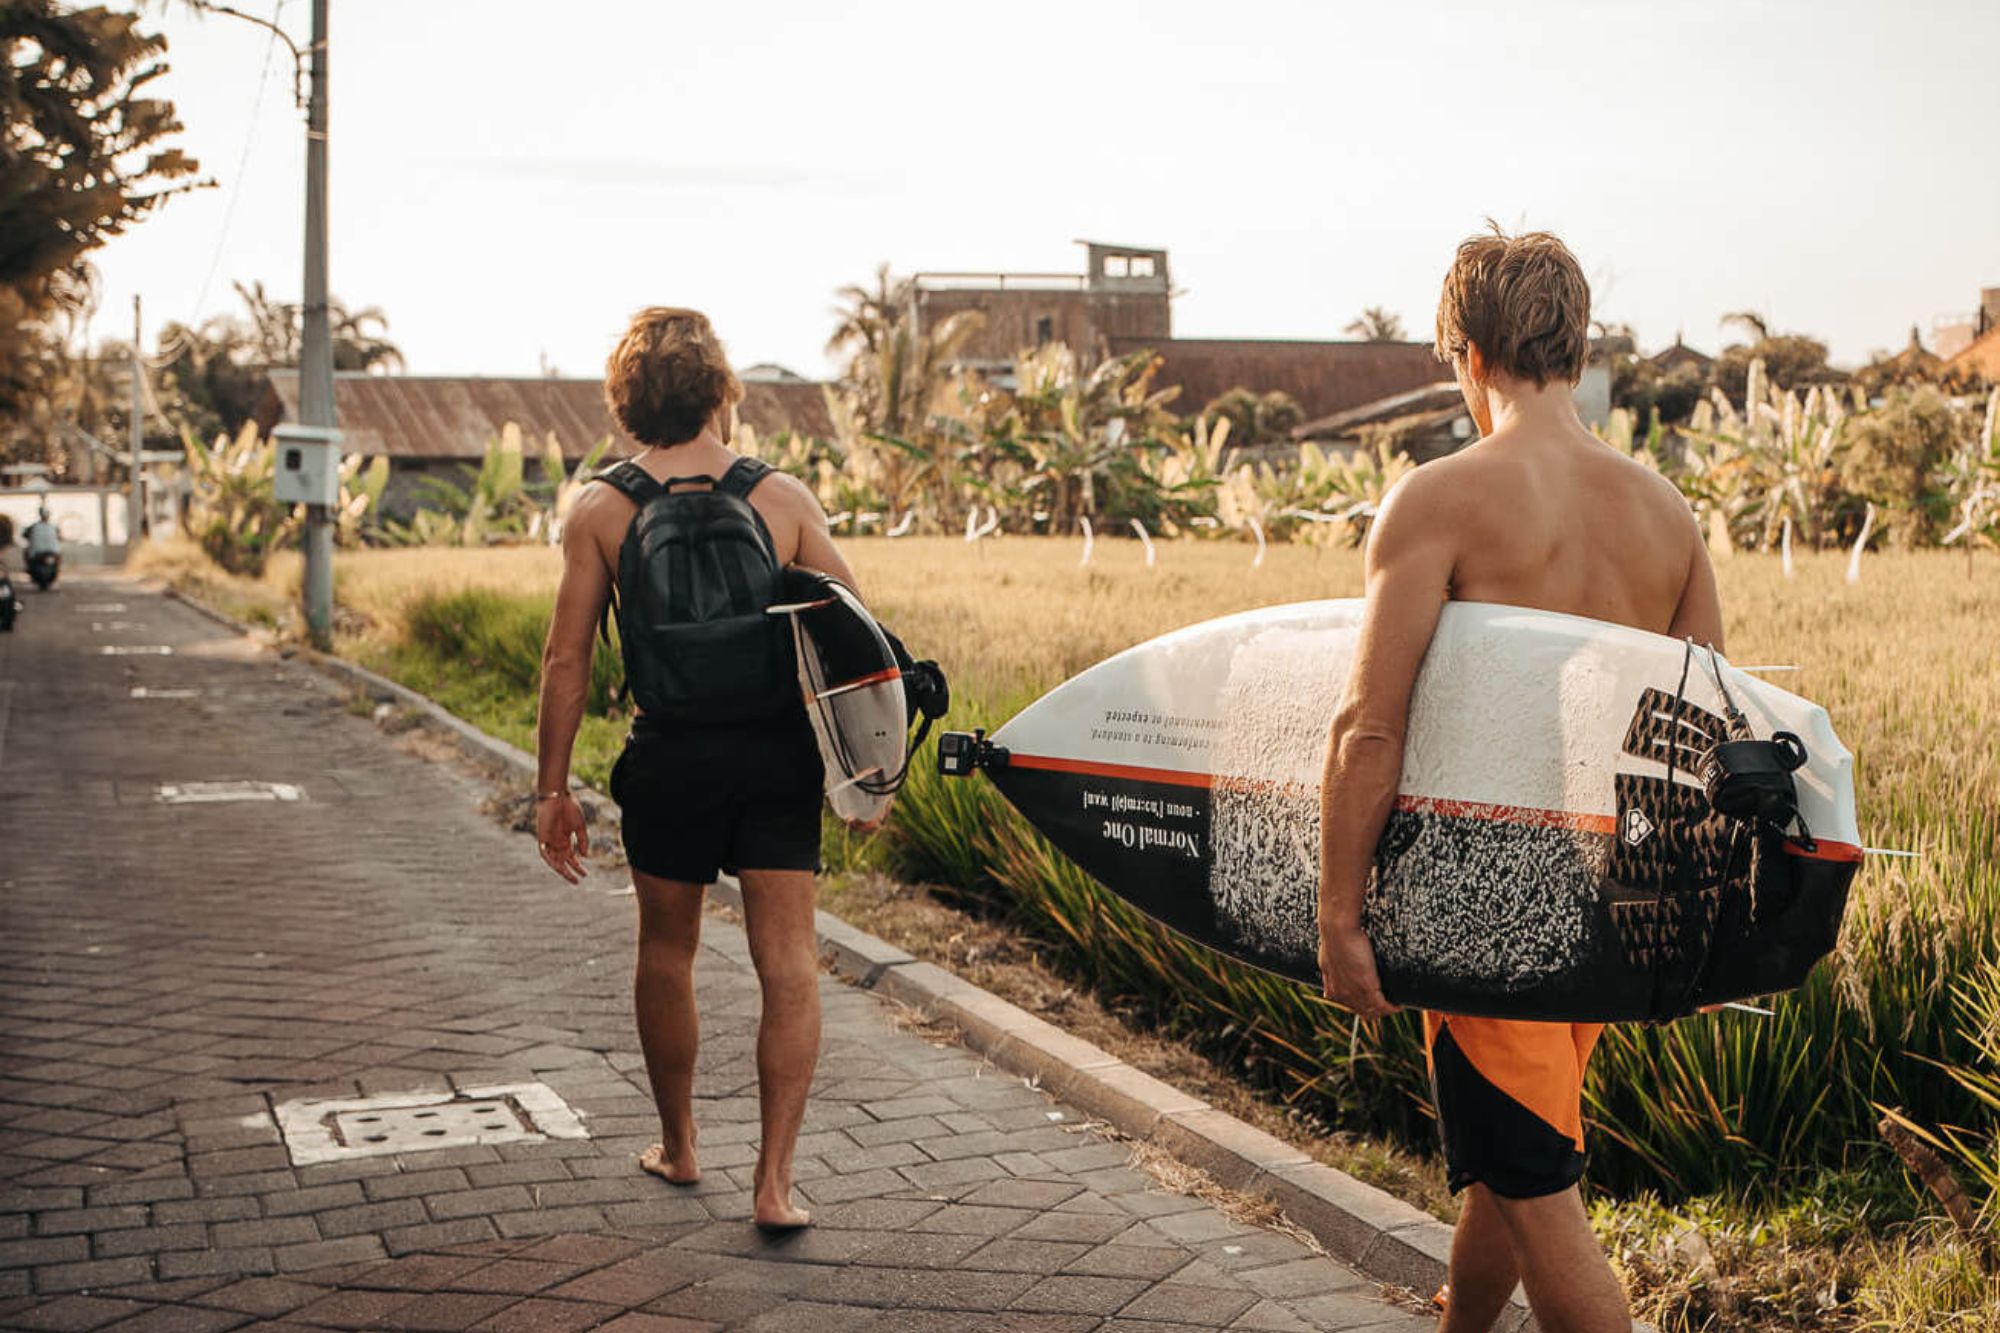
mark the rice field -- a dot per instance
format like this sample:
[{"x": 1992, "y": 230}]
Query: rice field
[{"x": 1774, "y": 1115}]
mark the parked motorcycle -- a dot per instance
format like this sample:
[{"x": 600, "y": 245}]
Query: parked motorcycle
[
  {"x": 9, "y": 606},
  {"x": 43, "y": 569}
]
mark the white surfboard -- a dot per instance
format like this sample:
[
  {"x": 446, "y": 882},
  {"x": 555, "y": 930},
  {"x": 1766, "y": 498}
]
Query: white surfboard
[
  {"x": 1551, "y": 854},
  {"x": 853, "y": 693}
]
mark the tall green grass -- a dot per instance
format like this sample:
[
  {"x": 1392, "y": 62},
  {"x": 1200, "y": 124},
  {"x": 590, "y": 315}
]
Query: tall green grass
[
  {"x": 1727, "y": 1103},
  {"x": 478, "y": 652}
]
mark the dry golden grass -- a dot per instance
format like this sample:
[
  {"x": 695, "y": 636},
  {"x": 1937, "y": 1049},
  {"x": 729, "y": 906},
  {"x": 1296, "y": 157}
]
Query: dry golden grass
[{"x": 1907, "y": 661}]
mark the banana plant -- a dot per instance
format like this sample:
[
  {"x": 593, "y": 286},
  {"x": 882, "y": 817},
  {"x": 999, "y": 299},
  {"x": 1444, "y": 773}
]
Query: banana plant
[
  {"x": 232, "y": 509},
  {"x": 1082, "y": 434},
  {"x": 565, "y": 483},
  {"x": 362, "y": 481},
  {"x": 1972, "y": 480},
  {"x": 1776, "y": 460},
  {"x": 1185, "y": 478}
]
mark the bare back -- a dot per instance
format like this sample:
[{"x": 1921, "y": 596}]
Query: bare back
[{"x": 1562, "y": 523}]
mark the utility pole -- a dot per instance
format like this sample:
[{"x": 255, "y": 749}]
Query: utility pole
[
  {"x": 316, "y": 408},
  {"x": 134, "y": 511}
]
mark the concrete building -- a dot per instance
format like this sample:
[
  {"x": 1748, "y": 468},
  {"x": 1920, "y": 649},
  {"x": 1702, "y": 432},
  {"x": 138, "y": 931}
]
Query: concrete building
[
  {"x": 1125, "y": 294},
  {"x": 1123, "y": 302},
  {"x": 1953, "y": 334}
]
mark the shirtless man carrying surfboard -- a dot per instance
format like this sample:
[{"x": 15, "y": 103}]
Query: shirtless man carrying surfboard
[{"x": 1538, "y": 513}]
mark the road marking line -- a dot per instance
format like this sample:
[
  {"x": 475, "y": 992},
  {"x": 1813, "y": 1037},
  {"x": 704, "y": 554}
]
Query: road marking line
[{"x": 214, "y": 793}]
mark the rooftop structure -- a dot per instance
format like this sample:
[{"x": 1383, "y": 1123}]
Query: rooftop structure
[
  {"x": 1680, "y": 354},
  {"x": 1123, "y": 302},
  {"x": 452, "y": 417},
  {"x": 1125, "y": 292},
  {"x": 1322, "y": 377}
]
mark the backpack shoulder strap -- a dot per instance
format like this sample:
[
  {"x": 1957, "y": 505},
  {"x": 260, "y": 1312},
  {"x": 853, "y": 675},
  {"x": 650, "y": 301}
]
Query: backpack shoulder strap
[
  {"x": 743, "y": 476},
  {"x": 631, "y": 481}
]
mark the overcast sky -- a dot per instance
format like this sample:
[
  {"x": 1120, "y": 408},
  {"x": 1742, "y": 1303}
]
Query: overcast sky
[{"x": 511, "y": 180}]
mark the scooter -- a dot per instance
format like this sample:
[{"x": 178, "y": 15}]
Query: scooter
[
  {"x": 42, "y": 569},
  {"x": 9, "y": 607}
]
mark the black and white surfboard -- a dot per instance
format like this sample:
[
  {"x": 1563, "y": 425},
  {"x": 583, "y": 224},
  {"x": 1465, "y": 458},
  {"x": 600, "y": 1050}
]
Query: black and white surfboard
[
  {"x": 853, "y": 693},
  {"x": 1551, "y": 855}
]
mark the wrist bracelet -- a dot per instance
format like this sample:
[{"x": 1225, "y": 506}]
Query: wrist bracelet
[{"x": 549, "y": 795}]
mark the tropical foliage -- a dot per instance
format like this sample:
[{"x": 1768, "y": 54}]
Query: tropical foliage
[
  {"x": 1377, "y": 324},
  {"x": 497, "y": 504},
  {"x": 234, "y": 514},
  {"x": 88, "y": 154}
]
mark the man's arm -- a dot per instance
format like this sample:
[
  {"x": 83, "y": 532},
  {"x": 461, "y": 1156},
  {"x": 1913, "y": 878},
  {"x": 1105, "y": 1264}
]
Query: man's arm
[
  {"x": 580, "y": 601},
  {"x": 1411, "y": 552},
  {"x": 1699, "y": 615},
  {"x": 816, "y": 549}
]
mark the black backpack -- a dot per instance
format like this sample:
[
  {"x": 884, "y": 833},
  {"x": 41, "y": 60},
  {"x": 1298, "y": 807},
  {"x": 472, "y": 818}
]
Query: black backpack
[{"x": 696, "y": 572}]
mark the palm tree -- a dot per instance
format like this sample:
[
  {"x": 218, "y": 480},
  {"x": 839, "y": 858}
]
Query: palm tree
[
  {"x": 360, "y": 340},
  {"x": 1377, "y": 325},
  {"x": 1759, "y": 327},
  {"x": 867, "y": 316},
  {"x": 276, "y": 333},
  {"x": 274, "y": 326}
]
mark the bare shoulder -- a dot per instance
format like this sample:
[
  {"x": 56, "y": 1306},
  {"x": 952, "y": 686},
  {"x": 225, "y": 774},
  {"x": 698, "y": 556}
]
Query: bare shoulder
[
  {"x": 597, "y": 522},
  {"x": 1436, "y": 490},
  {"x": 1419, "y": 512},
  {"x": 793, "y": 496},
  {"x": 598, "y": 509},
  {"x": 1653, "y": 489}
]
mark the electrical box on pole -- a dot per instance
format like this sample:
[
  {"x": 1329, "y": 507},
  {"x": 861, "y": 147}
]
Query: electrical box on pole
[{"x": 308, "y": 470}]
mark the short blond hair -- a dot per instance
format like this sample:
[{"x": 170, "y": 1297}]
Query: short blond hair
[
  {"x": 668, "y": 375},
  {"x": 1523, "y": 300}
]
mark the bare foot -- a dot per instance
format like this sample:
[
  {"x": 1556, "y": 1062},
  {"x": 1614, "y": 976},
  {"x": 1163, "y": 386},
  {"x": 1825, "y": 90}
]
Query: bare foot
[
  {"x": 778, "y": 1215},
  {"x": 680, "y": 1170}
]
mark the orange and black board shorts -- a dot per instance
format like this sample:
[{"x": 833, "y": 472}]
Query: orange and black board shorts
[{"x": 1509, "y": 1098}]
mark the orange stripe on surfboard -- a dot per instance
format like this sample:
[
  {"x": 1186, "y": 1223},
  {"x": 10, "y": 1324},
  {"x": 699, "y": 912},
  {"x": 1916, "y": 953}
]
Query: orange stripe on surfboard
[
  {"x": 1525, "y": 815},
  {"x": 874, "y": 678},
  {"x": 1092, "y": 769}
]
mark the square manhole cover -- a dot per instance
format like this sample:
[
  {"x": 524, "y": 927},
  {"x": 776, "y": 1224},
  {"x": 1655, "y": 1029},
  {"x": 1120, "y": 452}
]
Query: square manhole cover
[{"x": 332, "y": 1131}]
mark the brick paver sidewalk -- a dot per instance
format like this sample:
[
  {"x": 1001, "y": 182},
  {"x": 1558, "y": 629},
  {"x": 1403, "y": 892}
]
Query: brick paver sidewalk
[{"x": 169, "y": 974}]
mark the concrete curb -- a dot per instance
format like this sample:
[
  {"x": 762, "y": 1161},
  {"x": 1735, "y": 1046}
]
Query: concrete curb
[{"x": 1363, "y": 1227}]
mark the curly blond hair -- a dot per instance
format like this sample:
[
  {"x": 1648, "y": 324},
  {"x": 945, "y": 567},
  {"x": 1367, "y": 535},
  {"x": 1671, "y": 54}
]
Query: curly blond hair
[
  {"x": 668, "y": 375},
  {"x": 1523, "y": 300}
]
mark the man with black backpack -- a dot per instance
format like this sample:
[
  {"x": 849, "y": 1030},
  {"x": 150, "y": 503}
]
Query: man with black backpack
[{"x": 684, "y": 545}]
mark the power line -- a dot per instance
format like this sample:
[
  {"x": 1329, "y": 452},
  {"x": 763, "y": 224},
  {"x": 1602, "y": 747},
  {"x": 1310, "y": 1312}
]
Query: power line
[{"x": 242, "y": 163}]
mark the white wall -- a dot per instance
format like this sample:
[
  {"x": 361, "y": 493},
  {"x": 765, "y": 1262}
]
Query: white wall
[{"x": 90, "y": 519}]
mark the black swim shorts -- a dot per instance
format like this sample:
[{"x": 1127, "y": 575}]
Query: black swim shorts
[
  {"x": 1509, "y": 1098},
  {"x": 698, "y": 800}
]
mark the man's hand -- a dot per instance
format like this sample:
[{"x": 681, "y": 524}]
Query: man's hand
[
  {"x": 1347, "y": 972},
  {"x": 560, "y": 833}
]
